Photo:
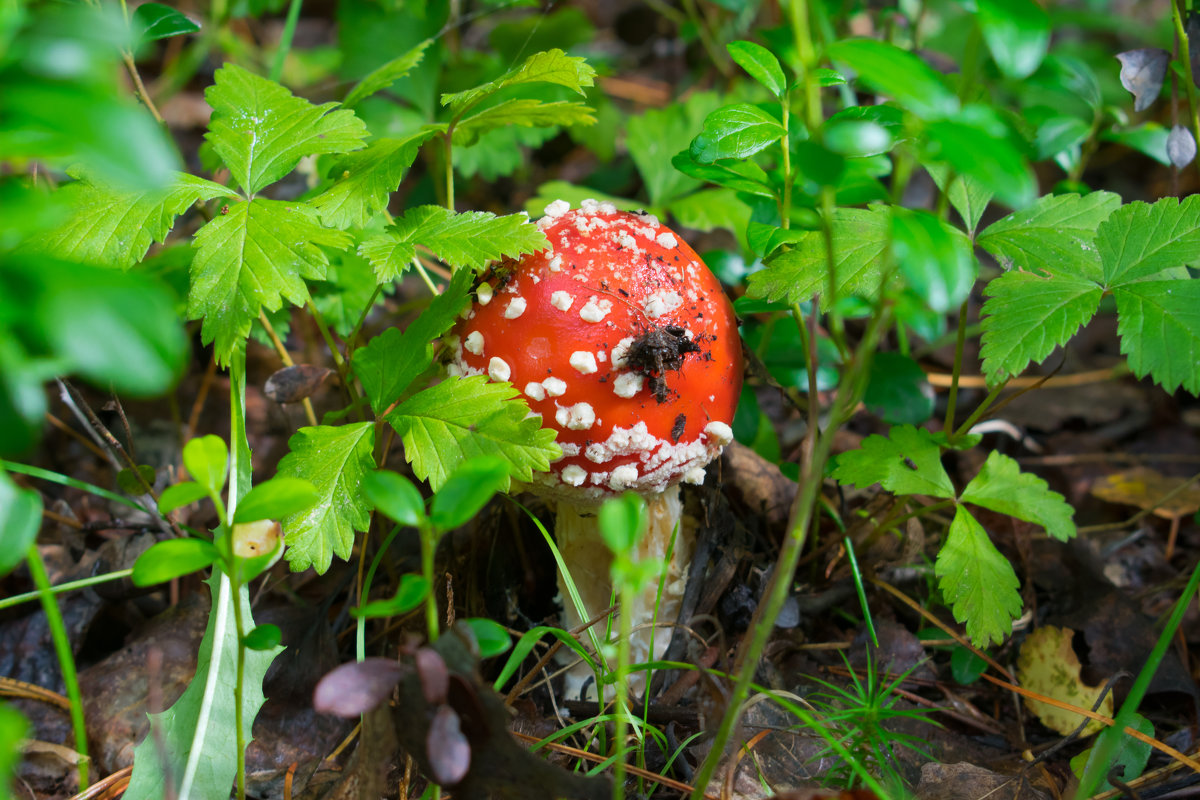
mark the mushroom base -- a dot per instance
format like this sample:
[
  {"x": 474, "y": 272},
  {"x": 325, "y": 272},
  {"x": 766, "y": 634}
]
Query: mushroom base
[{"x": 588, "y": 561}]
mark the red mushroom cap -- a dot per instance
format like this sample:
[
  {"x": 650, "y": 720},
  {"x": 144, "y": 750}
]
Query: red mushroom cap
[{"x": 622, "y": 340}]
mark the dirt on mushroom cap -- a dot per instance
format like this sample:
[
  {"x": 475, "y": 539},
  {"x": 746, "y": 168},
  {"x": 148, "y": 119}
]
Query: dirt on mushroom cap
[{"x": 621, "y": 338}]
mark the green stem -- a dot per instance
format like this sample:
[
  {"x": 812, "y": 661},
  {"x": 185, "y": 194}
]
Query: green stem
[
  {"x": 343, "y": 369},
  {"x": 623, "y": 657},
  {"x": 66, "y": 659},
  {"x": 959, "y": 345},
  {"x": 448, "y": 147},
  {"x": 61, "y": 588},
  {"x": 360, "y": 634},
  {"x": 1186, "y": 54},
  {"x": 285, "y": 39},
  {"x": 429, "y": 537},
  {"x": 424, "y": 273},
  {"x": 238, "y": 689},
  {"x": 965, "y": 428}
]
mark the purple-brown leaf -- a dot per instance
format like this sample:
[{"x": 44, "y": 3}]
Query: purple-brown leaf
[
  {"x": 1142, "y": 74},
  {"x": 355, "y": 688},
  {"x": 448, "y": 750}
]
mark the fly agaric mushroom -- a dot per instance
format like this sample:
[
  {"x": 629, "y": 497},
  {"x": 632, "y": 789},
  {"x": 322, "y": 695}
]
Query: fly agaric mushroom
[{"x": 624, "y": 342}]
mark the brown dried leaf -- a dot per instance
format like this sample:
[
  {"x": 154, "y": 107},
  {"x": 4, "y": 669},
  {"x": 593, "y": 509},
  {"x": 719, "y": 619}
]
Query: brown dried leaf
[
  {"x": 293, "y": 384},
  {"x": 1145, "y": 488}
]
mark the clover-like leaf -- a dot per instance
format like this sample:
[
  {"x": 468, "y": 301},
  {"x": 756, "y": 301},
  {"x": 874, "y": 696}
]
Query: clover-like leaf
[
  {"x": 906, "y": 461},
  {"x": 1002, "y": 487}
]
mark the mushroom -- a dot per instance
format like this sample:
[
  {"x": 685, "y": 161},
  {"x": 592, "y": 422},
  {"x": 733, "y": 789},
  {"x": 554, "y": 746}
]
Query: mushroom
[{"x": 625, "y": 344}]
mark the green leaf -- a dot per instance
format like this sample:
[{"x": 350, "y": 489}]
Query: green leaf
[
  {"x": 906, "y": 461},
  {"x": 1131, "y": 756},
  {"x": 180, "y": 495},
  {"x": 364, "y": 181},
  {"x": 334, "y": 460},
  {"x": 20, "y": 521},
  {"x": 412, "y": 591},
  {"x": 898, "y": 391},
  {"x": 760, "y": 64},
  {"x": 446, "y": 424},
  {"x": 14, "y": 731},
  {"x": 1017, "y": 33},
  {"x": 261, "y": 130},
  {"x": 979, "y": 142},
  {"x": 115, "y": 227},
  {"x": 1002, "y": 487},
  {"x": 898, "y": 74},
  {"x": 977, "y": 581},
  {"x": 552, "y": 66},
  {"x": 195, "y": 733},
  {"x": 206, "y": 459},
  {"x": 172, "y": 559},
  {"x": 395, "y": 496},
  {"x": 130, "y": 482},
  {"x": 470, "y": 486},
  {"x": 969, "y": 197},
  {"x": 491, "y": 636},
  {"x": 741, "y": 176},
  {"x": 1159, "y": 326},
  {"x": 736, "y": 131},
  {"x": 263, "y": 637},
  {"x": 252, "y": 258},
  {"x": 526, "y": 112},
  {"x": 934, "y": 258},
  {"x": 277, "y": 498},
  {"x": 154, "y": 21},
  {"x": 1026, "y": 316},
  {"x": 1139, "y": 240},
  {"x": 654, "y": 138},
  {"x": 470, "y": 239},
  {"x": 861, "y": 238},
  {"x": 622, "y": 522},
  {"x": 393, "y": 360},
  {"x": 386, "y": 75},
  {"x": 1055, "y": 235},
  {"x": 388, "y": 256}
]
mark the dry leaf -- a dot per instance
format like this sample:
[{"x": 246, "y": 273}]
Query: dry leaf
[
  {"x": 1048, "y": 665},
  {"x": 1144, "y": 487}
]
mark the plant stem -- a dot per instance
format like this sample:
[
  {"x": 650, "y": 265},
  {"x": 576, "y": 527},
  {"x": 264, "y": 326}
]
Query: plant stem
[
  {"x": 66, "y": 659},
  {"x": 429, "y": 537},
  {"x": 448, "y": 148},
  {"x": 338, "y": 362},
  {"x": 285, "y": 39},
  {"x": 1186, "y": 54},
  {"x": 625, "y": 622},
  {"x": 62, "y": 588},
  {"x": 959, "y": 345},
  {"x": 360, "y": 634},
  {"x": 965, "y": 428},
  {"x": 239, "y": 721}
]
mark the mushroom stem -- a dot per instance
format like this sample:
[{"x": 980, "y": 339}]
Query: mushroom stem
[{"x": 589, "y": 561}]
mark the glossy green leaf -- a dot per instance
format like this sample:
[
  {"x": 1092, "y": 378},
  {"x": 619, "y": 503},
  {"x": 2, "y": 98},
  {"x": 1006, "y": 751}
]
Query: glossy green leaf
[
  {"x": 1017, "y": 33},
  {"x": 263, "y": 637},
  {"x": 277, "y": 498},
  {"x": 334, "y": 460},
  {"x": 898, "y": 74},
  {"x": 365, "y": 179},
  {"x": 20, "y": 521},
  {"x": 978, "y": 142},
  {"x": 171, "y": 559},
  {"x": 977, "y": 581},
  {"x": 207, "y": 461},
  {"x": 395, "y": 496},
  {"x": 897, "y": 390},
  {"x": 906, "y": 461},
  {"x": 735, "y": 131},
  {"x": 180, "y": 495},
  {"x": 1002, "y": 487},
  {"x": 1159, "y": 326},
  {"x": 1131, "y": 755},
  {"x": 468, "y": 489},
  {"x": 525, "y": 112},
  {"x": 1140, "y": 239},
  {"x": 857, "y": 138},
  {"x": 154, "y": 21},
  {"x": 386, "y": 75},
  {"x": 491, "y": 636},
  {"x": 551, "y": 66},
  {"x": 760, "y": 64},
  {"x": 1054, "y": 236},
  {"x": 741, "y": 176},
  {"x": 411, "y": 593},
  {"x": 934, "y": 258}
]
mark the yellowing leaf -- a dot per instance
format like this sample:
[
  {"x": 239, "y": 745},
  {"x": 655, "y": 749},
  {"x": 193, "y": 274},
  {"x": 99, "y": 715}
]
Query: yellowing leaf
[
  {"x": 1145, "y": 488},
  {"x": 1048, "y": 665}
]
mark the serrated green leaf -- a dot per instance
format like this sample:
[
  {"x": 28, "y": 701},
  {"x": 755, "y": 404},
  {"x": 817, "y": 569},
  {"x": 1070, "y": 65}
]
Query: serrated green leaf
[
  {"x": 197, "y": 731},
  {"x": 1002, "y": 487},
  {"x": 388, "y": 256},
  {"x": 115, "y": 227},
  {"x": 460, "y": 418},
  {"x": 760, "y": 64},
  {"x": 906, "y": 461},
  {"x": 1026, "y": 316},
  {"x": 470, "y": 239},
  {"x": 969, "y": 197},
  {"x": 393, "y": 360},
  {"x": 386, "y": 75},
  {"x": 899, "y": 74},
  {"x": 1055, "y": 235},
  {"x": 1017, "y": 33},
  {"x": 736, "y": 131},
  {"x": 861, "y": 238},
  {"x": 154, "y": 21},
  {"x": 1140, "y": 239},
  {"x": 261, "y": 130},
  {"x": 334, "y": 460},
  {"x": 1159, "y": 326},
  {"x": 525, "y": 112},
  {"x": 977, "y": 581},
  {"x": 251, "y": 258},
  {"x": 551, "y": 66},
  {"x": 365, "y": 179},
  {"x": 935, "y": 258}
]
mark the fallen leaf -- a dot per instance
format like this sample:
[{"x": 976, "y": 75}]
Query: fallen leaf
[
  {"x": 1144, "y": 487},
  {"x": 1049, "y": 666}
]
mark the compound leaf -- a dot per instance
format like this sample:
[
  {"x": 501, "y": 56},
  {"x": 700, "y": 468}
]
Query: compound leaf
[
  {"x": 386, "y": 75},
  {"x": 860, "y": 239},
  {"x": 1140, "y": 239},
  {"x": 1028, "y": 315},
  {"x": 1054, "y": 235},
  {"x": 1002, "y": 487},
  {"x": 251, "y": 258},
  {"x": 1159, "y": 326},
  {"x": 906, "y": 461},
  {"x": 457, "y": 419},
  {"x": 527, "y": 112},
  {"x": 334, "y": 460},
  {"x": 977, "y": 581},
  {"x": 364, "y": 180},
  {"x": 261, "y": 130},
  {"x": 551, "y": 66}
]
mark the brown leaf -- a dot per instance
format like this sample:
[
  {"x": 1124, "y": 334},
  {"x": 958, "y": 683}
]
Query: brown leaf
[
  {"x": 293, "y": 384},
  {"x": 1144, "y": 487}
]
